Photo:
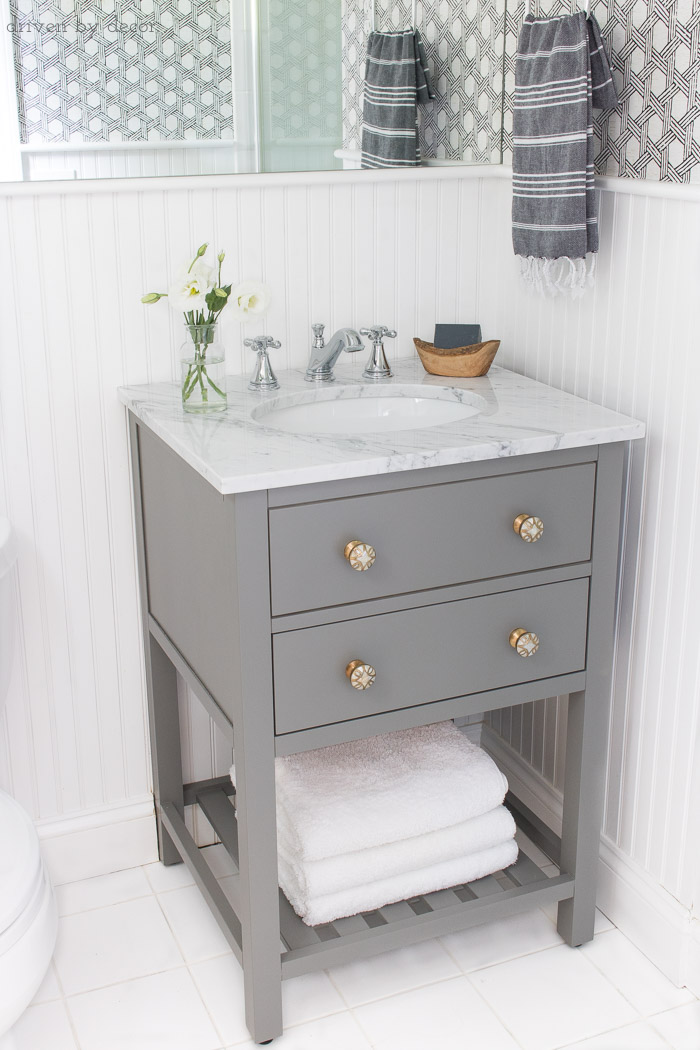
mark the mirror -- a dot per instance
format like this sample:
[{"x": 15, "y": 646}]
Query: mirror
[{"x": 186, "y": 87}]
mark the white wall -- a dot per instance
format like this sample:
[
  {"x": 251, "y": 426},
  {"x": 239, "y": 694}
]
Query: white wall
[
  {"x": 405, "y": 251},
  {"x": 632, "y": 345},
  {"x": 73, "y": 266}
]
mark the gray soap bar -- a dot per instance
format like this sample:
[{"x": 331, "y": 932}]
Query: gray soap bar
[{"x": 449, "y": 336}]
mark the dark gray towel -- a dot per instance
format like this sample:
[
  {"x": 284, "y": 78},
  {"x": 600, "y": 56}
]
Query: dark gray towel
[
  {"x": 561, "y": 73},
  {"x": 397, "y": 78}
]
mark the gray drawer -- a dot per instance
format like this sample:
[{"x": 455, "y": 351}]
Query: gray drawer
[
  {"x": 428, "y": 537},
  {"x": 430, "y": 653}
]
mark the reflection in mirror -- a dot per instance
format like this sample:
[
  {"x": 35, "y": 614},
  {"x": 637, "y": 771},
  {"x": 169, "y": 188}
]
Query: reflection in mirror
[{"x": 182, "y": 87}]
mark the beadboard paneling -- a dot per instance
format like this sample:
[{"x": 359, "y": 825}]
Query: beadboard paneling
[
  {"x": 631, "y": 344},
  {"x": 72, "y": 270},
  {"x": 73, "y": 267}
]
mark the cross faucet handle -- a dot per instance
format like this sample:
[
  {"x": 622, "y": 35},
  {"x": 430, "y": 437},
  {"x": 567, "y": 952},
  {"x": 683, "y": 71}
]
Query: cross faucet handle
[
  {"x": 318, "y": 330},
  {"x": 263, "y": 376},
  {"x": 378, "y": 332},
  {"x": 377, "y": 366},
  {"x": 262, "y": 342}
]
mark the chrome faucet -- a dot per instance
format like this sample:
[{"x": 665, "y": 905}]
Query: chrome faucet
[{"x": 325, "y": 354}]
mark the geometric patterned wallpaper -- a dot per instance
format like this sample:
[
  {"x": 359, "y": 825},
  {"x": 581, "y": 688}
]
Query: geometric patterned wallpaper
[
  {"x": 167, "y": 75},
  {"x": 300, "y": 48},
  {"x": 464, "y": 42},
  {"x": 162, "y": 72},
  {"x": 654, "y": 133}
]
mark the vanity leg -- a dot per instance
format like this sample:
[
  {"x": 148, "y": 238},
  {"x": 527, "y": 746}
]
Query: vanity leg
[
  {"x": 254, "y": 755},
  {"x": 164, "y": 729},
  {"x": 587, "y": 724},
  {"x": 259, "y": 912},
  {"x": 161, "y": 685},
  {"x": 584, "y": 784}
]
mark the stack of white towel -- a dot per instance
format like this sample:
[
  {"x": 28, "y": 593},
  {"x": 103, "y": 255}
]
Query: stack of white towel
[{"x": 367, "y": 823}]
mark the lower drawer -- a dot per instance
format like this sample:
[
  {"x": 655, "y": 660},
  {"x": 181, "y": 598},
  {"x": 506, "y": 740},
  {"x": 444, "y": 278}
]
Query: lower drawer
[{"x": 426, "y": 654}]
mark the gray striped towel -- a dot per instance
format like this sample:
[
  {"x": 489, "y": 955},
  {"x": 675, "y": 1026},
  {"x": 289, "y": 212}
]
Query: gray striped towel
[
  {"x": 561, "y": 73},
  {"x": 397, "y": 78}
]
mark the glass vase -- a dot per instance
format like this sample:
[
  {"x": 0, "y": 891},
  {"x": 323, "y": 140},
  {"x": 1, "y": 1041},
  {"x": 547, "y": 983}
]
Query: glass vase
[{"x": 203, "y": 369}]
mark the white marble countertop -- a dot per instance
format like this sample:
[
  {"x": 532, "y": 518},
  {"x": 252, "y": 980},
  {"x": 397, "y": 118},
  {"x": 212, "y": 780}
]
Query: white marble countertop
[{"x": 235, "y": 453}]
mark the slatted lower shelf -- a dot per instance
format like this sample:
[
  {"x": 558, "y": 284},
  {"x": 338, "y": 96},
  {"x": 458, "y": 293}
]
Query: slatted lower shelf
[{"x": 305, "y": 948}]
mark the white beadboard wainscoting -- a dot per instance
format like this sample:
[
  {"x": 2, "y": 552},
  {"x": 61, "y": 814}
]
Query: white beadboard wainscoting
[
  {"x": 631, "y": 344},
  {"x": 352, "y": 248},
  {"x": 74, "y": 262}
]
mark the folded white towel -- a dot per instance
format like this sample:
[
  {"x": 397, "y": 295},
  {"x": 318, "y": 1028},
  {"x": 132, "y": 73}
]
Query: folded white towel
[
  {"x": 377, "y": 894},
  {"x": 369, "y": 792},
  {"x": 317, "y": 878}
]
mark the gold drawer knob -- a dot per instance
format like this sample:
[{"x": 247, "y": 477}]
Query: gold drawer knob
[
  {"x": 528, "y": 527},
  {"x": 360, "y": 555},
  {"x": 361, "y": 675},
  {"x": 525, "y": 643}
]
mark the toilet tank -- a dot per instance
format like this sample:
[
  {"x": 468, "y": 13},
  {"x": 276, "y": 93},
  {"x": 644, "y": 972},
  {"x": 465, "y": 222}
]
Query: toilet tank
[{"x": 7, "y": 560}]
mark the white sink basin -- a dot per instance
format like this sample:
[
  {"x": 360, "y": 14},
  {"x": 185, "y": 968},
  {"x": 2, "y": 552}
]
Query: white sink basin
[{"x": 368, "y": 409}]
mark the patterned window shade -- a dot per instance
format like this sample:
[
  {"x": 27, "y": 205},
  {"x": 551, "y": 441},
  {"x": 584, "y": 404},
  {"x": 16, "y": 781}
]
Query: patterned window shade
[{"x": 109, "y": 73}]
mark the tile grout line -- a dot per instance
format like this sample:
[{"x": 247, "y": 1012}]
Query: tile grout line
[
  {"x": 347, "y": 1008},
  {"x": 493, "y": 1011},
  {"x": 620, "y": 991},
  {"x": 208, "y": 1012}
]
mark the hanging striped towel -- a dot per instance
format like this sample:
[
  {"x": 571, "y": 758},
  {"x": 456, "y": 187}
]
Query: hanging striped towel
[
  {"x": 561, "y": 73},
  {"x": 397, "y": 78}
]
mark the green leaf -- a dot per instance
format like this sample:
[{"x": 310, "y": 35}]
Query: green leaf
[{"x": 217, "y": 298}]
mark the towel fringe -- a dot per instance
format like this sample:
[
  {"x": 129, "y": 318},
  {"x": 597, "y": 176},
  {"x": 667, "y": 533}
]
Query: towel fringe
[{"x": 563, "y": 276}]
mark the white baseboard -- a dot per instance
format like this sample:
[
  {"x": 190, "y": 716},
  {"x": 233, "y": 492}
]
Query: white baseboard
[
  {"x": 692, "y": 968},
  {"x": 644, "y": 911},
  {"x": 122, "y": 835}
]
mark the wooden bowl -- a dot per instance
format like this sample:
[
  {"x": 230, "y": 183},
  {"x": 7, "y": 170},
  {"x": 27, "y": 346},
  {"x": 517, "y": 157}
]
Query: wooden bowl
[{"x": 461, "y": 362}]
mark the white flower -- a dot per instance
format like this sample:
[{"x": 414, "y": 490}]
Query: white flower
[
  {"x": 189, "y": 289},
  {"x": 249, "y": 299}
]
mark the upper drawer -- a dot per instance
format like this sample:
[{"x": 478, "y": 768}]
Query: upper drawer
[
  {"x": 427, "y": 654},
  {"x": 428, "y": 537}
]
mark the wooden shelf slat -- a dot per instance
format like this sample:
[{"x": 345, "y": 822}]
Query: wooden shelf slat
[
  {"x": 309, "y": 948},
  {"x": 442, "y": 899},
  {"x": 485, "y": 887},
  {"x": 524, "y": 871},
  {"x": 350, "y": 924},
  {"x": 393, "y": 912},
  {"x": 421, "y": 927}
]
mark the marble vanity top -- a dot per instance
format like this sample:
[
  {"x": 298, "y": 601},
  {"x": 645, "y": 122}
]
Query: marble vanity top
[{"x": 236, "y": 453}]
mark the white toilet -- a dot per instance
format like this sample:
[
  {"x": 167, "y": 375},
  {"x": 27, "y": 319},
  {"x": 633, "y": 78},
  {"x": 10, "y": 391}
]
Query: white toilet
[{"x": 28, "y": 917}]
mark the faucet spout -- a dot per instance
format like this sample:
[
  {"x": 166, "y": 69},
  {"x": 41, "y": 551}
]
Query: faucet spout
[{"x": 324, "y": 355}]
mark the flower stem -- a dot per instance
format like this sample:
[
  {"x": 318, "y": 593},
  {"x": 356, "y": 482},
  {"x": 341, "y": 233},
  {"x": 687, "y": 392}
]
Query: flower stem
[
  {"x": 205, "y": 392},
  {"x": 186, "y": 388},
  {"x": 212, "y": 384}
]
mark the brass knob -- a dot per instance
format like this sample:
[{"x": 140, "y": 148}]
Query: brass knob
[
  {"x": 525, "y": 643},
  {"x": 360, "y": 555},
  {"x": 528, "y": 527},
  {"x": 361, "y": 675}
]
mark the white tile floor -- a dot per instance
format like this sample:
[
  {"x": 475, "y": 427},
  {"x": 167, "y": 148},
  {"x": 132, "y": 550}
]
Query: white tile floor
[{"x": 141, "y": 965}]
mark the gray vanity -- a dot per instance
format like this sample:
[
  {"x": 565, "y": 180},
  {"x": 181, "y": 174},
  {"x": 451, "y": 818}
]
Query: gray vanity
[{"x": 485, "y": 576}]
